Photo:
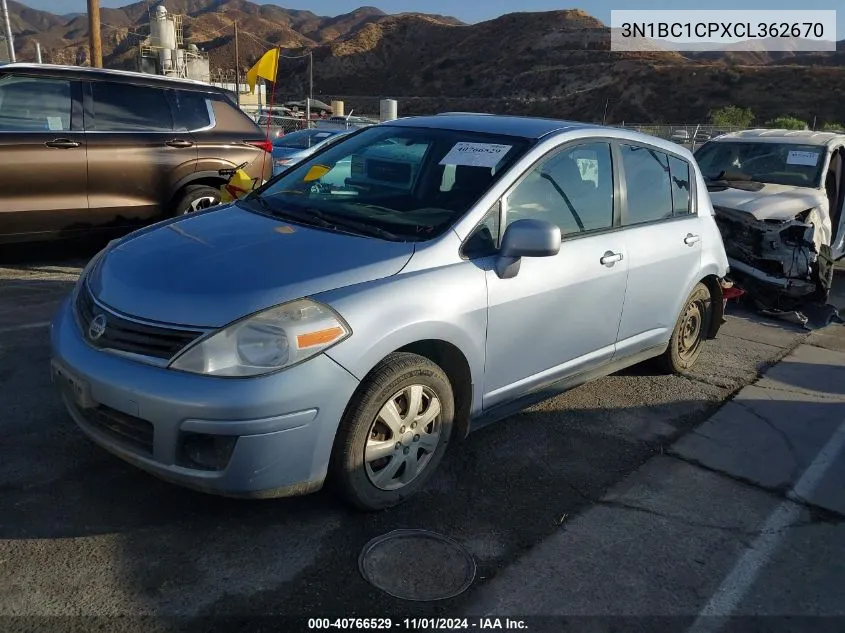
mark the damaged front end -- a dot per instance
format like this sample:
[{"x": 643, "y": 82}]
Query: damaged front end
[{"x": 778, "y": 261}]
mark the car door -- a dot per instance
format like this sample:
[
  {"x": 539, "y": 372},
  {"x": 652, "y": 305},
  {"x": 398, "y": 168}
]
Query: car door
[
  {"x": 135, "y": 154},
  {"x": 663, "y": 241},
  {"x": 559, "y": 315},
  {"x": 42, "y": 141}
]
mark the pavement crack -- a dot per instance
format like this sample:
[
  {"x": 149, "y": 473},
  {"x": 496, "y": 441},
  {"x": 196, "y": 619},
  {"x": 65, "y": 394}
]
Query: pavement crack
[
  {"x": 731, "y": 529},
  {"x": 710, "y": 438},
  {"x": 815, "y": 394},
  {"x": 712, "y": 383},
  {"x": 790, "y": 446},
  {"x": 781, "y": 492},
  {"x": 751, "y": 340}
]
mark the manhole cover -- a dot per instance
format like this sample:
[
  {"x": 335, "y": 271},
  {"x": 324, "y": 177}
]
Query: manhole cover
[{"x": 417, "y": 565}]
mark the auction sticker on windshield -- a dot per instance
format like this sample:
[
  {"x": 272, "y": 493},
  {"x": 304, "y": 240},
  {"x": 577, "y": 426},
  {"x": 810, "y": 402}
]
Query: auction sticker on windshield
[
  {"x": 802, "y": 158},
  {"x": 476, "y": 154}
]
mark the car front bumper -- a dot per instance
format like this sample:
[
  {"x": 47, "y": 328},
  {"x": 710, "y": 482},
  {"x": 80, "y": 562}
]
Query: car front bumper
[
  {"x": 267, "y": 436},
  {"x": 794, "y": 288}
]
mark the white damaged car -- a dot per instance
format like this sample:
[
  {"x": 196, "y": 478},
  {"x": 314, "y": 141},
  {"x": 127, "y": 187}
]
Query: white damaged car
[{"x": 778, "y": 197}]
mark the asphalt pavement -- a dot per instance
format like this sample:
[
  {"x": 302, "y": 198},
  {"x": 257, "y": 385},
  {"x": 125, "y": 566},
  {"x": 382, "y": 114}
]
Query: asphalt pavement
[{"x": 635, "y": 495}]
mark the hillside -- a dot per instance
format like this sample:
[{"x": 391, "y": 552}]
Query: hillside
[
  {"x": 207, "y": 23},
  {"x": 550, "y": 63}
]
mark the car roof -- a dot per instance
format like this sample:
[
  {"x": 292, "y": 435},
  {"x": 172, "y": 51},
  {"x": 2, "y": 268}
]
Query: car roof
[
  {"x": 124, "y": 76},
  {"x": 798, "y": 137},
  {"x": 525, "y": 127}
]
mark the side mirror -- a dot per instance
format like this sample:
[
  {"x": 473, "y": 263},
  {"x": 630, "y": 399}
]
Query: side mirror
[{"x": 526, "y": 238}]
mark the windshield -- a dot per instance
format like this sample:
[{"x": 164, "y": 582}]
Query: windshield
[
  {"x": 773, "y": 163},
  {"x": 411, "y": 183},
  {"x": 302, "y": 139}
]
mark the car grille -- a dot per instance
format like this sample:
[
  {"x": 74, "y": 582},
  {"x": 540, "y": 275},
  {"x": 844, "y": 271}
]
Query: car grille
[
  {"x": 131, "y": 432},
  {"x": 125, "y": 335}
]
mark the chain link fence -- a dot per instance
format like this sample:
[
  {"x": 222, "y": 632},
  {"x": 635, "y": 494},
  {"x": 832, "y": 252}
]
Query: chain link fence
[{"x": 690, "y": 135}]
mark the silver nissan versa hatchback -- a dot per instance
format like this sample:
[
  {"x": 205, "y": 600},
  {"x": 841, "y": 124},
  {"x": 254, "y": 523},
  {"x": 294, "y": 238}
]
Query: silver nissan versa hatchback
[{"x": 362, "y": 311}]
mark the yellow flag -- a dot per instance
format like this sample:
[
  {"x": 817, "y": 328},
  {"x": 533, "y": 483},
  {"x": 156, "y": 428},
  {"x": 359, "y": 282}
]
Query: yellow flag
[{"x": 266, "y": 67}]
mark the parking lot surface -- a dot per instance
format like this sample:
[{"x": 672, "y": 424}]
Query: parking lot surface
[{"x": 604, "y": 496}]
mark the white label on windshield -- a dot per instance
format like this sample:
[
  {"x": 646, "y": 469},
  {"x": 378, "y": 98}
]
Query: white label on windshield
[
  {"x": 476, "y": 154},
  {"x": 54, "y": 123},
  {"x": 802, "y": 158},
  {"x": 322, "y": 135}
]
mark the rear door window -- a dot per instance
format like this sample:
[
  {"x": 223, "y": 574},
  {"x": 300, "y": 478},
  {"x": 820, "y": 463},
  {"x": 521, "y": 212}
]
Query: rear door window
[
  {"x": 29, "y": 104},
  {"x": 648, "y": 184},
  {"x": 191, "y": 111},
  {"x": 120, "y": 107}
]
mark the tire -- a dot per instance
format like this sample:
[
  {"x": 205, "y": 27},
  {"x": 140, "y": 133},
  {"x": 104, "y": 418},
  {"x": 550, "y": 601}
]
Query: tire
[
  {"x": 372, "y": 452},
  {"x": 689, "y": 334},
  {"x": 197, "y": 198}
]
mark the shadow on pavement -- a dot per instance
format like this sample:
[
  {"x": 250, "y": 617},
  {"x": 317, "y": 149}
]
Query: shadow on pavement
[
  {"x": 51, "y": 253},
  {"x": 178, "y": 552}
]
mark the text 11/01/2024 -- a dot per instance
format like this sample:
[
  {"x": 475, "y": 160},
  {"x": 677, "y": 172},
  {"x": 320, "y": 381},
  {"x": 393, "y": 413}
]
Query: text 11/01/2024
[{"x": 417, "y": 624}]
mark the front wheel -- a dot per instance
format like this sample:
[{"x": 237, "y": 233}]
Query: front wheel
[
  {"x": 394, "y": 434},
  {"x": 689, "y": 334}
]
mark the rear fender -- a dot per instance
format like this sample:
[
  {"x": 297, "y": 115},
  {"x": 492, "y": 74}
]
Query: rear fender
[{"x": 206, "y": 175}]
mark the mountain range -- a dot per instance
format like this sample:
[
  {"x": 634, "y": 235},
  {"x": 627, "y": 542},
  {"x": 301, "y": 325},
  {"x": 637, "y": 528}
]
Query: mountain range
[{"x": 554, "y": 63}]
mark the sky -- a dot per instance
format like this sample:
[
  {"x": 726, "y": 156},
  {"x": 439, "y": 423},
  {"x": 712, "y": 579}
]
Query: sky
[{"x": 479, "y": 10}]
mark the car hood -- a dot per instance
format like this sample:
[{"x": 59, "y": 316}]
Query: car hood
[
  {"x": 772, "y": 202},
  {"x": 209, "y": 269}
]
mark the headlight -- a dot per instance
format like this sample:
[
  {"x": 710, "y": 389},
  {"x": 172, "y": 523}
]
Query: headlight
[{"x": 267, "y": 341}]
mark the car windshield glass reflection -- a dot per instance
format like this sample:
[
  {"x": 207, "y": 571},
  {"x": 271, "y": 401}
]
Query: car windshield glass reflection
[
  {"x": 302, "y": 139},
  {"x": 411, "y": 183},
  {"x": 773, "y": 163}
]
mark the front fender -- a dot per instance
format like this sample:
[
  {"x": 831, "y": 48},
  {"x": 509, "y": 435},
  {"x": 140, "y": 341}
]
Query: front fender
[{"x": 445, "y": 304}]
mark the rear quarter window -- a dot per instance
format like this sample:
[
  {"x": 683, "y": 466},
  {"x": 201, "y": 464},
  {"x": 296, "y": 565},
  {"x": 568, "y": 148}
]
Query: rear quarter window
[
  {"x": 230, "y": 118},
  {"x": 681, "y": 176}
]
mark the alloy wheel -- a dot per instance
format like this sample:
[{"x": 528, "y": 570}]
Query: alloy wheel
[
  {"x": 203, "y": 202},
  {"x": 403, "y": 437}
]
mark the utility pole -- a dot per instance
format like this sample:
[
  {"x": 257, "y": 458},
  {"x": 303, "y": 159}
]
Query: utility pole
[
  {"x": 237, "y": 66},
  {"x": 38, "y": 52},
  {"x": 7, "y": 25},
  {"x": 310, "y": 89},
  {"x": 94, "y": 40}
]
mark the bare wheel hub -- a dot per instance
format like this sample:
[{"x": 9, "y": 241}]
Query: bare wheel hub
[{"x": 690, "y": 335}]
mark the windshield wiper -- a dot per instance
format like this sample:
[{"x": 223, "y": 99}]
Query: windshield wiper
[
  {"x": 309, "y": 216},
  {"x": 340, "y": 221},
  {"x": 310, "y": 219},
  {"x": 734, "y": 180}
]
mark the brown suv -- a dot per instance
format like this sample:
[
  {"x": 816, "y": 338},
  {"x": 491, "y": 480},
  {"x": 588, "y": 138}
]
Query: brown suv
[{"x": 88, "y": 149}]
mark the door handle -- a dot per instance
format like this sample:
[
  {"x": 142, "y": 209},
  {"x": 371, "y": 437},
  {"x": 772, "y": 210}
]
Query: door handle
[
  {"x": 62, "y": 143},
  {"x": 178, "y": 142},
  {"x": 691, "y": 239},
  {"x": 610, "y": 258}
]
